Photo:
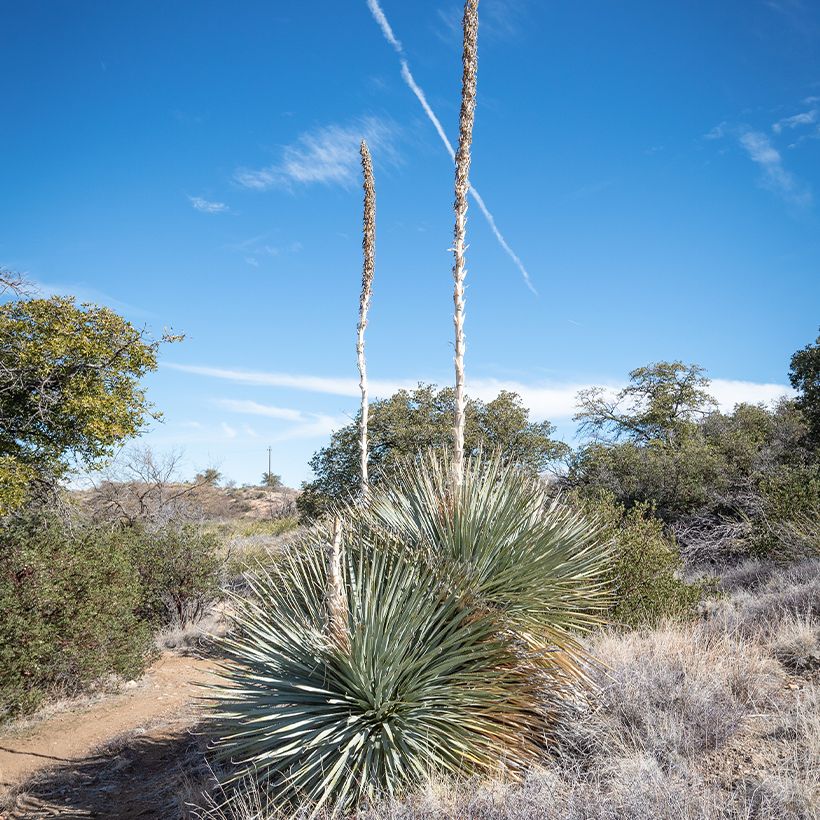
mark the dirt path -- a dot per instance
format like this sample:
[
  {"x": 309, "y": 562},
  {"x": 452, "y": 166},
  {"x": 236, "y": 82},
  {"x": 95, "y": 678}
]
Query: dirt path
[{"x": 143, "y": 724}]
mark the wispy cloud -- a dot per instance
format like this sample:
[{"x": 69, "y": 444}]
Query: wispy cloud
[
  {"x": 774, "y": 176},
  {"x": 552, "y": 401},
  {"x": 306, "y": 425},
  {"x": 501, "y": 19},
  {"x": 327, "y": 155},
  {"x": 229, "y": 431},
  {"x": 795, "y": 121},
  {"x": 83, "y": 293},
  {"x": 293, "y": 381},
  {"x": 317, "y": 427},
  {"x": 407, "y": 76},
  {"x": 256, "y": 409},
  {"x": 205, "y": 206},
  {"x": 263, "y": 247}
]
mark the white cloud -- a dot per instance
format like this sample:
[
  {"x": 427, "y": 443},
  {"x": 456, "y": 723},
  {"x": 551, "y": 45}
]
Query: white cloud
[
  {"x": 207, "y": 207},
  {"x": 308, "y": 425},
  {"x": 774, "y": 176},
  {"x": 256, "y": 409},
  {"x": 318, "y": 427},
  {"x": 228, "y": 430},
  {"x": 718, "y": 132},
  {"x": 730, "y": 392},
  {"x": 307, "y": 383},
  {"x": 806, "y": 118},
  {"x": 327, "y": 155},
  {"x": 545, "y": 401}
]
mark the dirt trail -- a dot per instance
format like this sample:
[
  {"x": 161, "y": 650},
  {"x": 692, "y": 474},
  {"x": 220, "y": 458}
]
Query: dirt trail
[{"x": 155, "y": 714}]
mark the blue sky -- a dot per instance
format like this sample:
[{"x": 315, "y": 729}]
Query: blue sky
[{"x": 655, "y": 167}]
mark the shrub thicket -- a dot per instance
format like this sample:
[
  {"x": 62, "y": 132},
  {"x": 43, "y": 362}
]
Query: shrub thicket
[
  {"x": 646, "y": 565},
  {"x": 789, "y": 524},
  {"x": 69, "y": 597},
  {"x": 82, "y": 601},
  {"x": 178, "y": 569}
]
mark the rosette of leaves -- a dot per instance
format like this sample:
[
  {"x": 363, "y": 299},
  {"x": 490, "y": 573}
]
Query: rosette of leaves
[
  {"x": 498, "y": 540},
  {"x": 425, "y": 679}
]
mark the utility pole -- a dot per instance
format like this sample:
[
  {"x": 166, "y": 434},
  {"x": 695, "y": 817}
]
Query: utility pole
[{"x": 269, "y": 464}]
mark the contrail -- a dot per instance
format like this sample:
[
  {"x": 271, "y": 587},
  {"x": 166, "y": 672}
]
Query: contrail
[{"x": 407, "y": 76}]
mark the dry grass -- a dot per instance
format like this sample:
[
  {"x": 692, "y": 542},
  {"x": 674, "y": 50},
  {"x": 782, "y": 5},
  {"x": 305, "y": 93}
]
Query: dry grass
[
  {"x": 796, "y": 644},
  {"x": 194, "y": 636},
  {"x": 671, "y": 694},
  {"x": 759, "y": 596}
]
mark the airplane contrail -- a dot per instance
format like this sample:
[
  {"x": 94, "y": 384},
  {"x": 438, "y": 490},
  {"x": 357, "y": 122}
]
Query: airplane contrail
[{"x": 407, "y": 76}]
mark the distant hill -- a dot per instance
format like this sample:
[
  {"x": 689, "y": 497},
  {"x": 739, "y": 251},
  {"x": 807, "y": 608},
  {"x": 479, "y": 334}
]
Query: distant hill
[{"x": 207, "y": 501}]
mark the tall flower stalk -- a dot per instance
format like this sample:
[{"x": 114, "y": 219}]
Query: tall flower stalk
[
  {"x": 368, "y": 269},
  {"x": 462, "y": 187},
  {"x": 336, "y": 598}
]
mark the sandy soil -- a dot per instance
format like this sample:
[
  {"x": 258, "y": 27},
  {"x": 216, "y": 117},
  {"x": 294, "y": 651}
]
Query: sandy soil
[{"x": 65, "y": 764}]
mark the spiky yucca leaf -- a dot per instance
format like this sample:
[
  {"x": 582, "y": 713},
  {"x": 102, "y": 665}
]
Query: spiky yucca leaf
[
  {"x": 496, "y": 537},
  {"x": 427, "y": 681}
]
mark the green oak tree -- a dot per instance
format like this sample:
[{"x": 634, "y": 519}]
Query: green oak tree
[
  {"x": 804, "y": 375},
  {"x": 412, "y": 421},
  {"x": 69, "y": 389},
  {"x": 661, "y": 403}
]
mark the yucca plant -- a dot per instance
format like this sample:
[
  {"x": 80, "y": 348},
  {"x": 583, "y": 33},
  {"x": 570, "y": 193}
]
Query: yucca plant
[
  {"x": 497, "y": 539},
  {"x": 427, "y": 680}
]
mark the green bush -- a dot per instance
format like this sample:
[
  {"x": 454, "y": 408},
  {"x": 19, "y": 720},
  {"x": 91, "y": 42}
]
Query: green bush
[
  {"x": 789, "y": 524},
  {"x": 178, "y": 569},
  {"x": 646, "y": 565},
  {"x": 675, "y": 478},
  {"x": 69, "y": 598}
]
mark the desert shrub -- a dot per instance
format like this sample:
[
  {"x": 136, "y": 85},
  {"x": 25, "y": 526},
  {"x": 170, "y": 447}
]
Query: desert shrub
[
  {"x": 776, "y": 593},
  {"x": 678, "y": 691},
  {"x": 796, "y": 644},
  {"x": 646, "y": 566},
  {"x": 69, "y": 597},
  {"x": 676, "y": 478},
  {"x": 729, "y": 485},
  {"x": 789, "y": 525},
  {"x": 179, "y": 572}
]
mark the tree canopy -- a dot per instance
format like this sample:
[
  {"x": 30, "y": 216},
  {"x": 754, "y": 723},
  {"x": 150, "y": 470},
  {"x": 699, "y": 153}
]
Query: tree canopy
[
  {"x": 804, "y": 375},
  {"x": 69, "y": 388},
  {"x": 412, "y": 421},
  {"x": 660, "y": 403}
]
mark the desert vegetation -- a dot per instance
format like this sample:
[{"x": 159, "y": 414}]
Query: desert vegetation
[{"x": 458, "y": 617}]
